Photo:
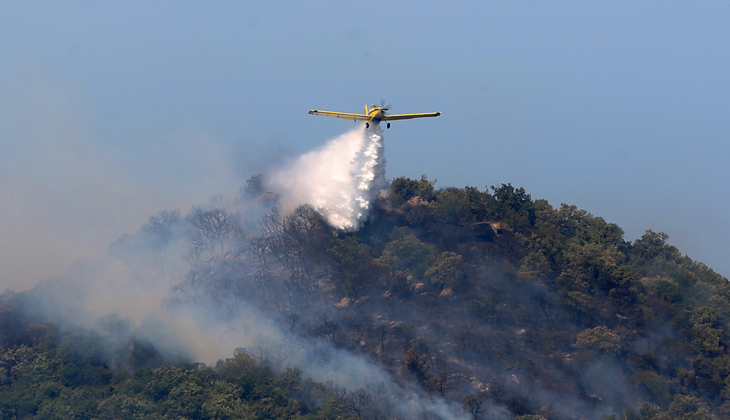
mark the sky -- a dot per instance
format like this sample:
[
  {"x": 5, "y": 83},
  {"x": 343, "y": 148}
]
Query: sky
[{"x": 111, "y": 111}]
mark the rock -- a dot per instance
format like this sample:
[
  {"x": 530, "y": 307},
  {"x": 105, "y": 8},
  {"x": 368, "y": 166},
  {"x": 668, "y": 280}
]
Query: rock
[
  {"x": 417, "y": 201},
  {"x": 447, "y": 292},
  {"x": 267, "y": 200},
  {"x": 344, "y": 303},
  {"x": 500, "y": 227}
]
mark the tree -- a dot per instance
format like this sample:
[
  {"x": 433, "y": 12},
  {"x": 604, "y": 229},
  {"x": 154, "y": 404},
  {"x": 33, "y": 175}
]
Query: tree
[
  {"x": 599, "y": 338},
  {"x": 704, "y": 334},
  {"x": 162, "y": 225},
  {"x": 705, "y": 339},
  {"x": 254, "y": 187},
  {"x": 515, "y": 206},
  {"x": 416, "y": 363},
  {"x": 12, "y": 321},
  {"x": 533, "y": 266},
  {"x": 407, "y": 188},
  {"x": 451, "y": 206},
  {"x": 211, "y": 229},
  {"x": 685, "y": 407},
  {"x": 481, "y": 203},
  {"x": 408, "y": 251},
  {"x": 653, "y": 245},
  {"x": 439, "y": 383},
  {"x": 473, "y": 403},
  {"x": 449, "y": 270},
  {"x": 354, "y": 264}
]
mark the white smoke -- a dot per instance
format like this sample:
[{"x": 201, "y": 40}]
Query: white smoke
[{"x": 340, "y": 180}]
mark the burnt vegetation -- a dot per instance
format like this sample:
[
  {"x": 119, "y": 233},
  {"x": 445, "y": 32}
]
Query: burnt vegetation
[{"x": 506, "y": 306}]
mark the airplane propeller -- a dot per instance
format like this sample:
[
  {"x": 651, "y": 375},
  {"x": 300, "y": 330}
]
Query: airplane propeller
[{"x": 383, "y": 106}]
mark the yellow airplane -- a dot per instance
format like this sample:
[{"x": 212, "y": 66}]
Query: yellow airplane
[{"x": 373, "y": 115}]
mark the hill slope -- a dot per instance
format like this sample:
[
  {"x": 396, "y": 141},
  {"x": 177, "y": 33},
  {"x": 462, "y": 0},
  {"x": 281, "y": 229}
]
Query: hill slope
[{"x": 501, "y": 304}]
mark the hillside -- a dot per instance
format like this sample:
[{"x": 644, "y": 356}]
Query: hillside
[{"x": 485, "y": 300}]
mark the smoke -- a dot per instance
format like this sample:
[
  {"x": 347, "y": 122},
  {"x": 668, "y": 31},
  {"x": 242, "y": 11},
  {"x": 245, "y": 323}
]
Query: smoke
[
  {"x": 162, "y": 283},
  {"x": 68, "y": 191},
  {"x": 69, "y": 194},
  {"x": 142, "y": 282},
  {"x": 340, "y": 180}
]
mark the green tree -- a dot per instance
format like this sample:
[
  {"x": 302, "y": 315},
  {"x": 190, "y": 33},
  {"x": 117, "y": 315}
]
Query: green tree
[
  {"x": 599, "y": 339},
  {"x": 408, "y": 252},
  {"x": 407, "y": 188},
  {"x": 451, "y": 206},
  {"x": 354, "y": 264},
  {"x": 514, "y": 206},
  {"x": 685, "y": 407},
  {"x": 449, "y": 270},
  {"x": 705, "y": 334}
]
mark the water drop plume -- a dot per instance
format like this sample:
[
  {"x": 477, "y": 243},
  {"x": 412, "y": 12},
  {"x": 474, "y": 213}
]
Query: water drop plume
[{"x": 339, "y": 180}]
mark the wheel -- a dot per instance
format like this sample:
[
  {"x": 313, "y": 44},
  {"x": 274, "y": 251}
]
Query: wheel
[
  {"x": 367, "y": 125},
  {"x": 389, "y": 125}
]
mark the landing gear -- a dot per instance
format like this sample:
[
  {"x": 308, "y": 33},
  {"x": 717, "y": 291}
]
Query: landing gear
[
  {"x": 388, "y": 125},
  {"x": 367, "y": 125}
]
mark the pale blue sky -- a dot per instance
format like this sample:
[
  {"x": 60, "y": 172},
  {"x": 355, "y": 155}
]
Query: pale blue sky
[{"x": 618, "y": 107}]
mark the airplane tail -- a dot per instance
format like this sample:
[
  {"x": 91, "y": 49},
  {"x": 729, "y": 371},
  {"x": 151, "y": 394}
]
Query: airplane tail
[{"x": 367, "y": 110}]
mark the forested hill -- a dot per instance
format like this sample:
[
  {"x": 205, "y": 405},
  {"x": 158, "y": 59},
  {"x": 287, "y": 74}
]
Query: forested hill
[{"x": 490, "y": 301}]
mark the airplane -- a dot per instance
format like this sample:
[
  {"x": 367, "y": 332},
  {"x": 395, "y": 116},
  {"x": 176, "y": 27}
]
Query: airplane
[{"x": 373, "y": 115}]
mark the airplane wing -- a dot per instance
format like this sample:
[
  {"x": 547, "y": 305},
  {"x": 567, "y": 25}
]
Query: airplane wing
[
  {"x": 410, "y": 116},
  {"x": 343, "y": 115}
]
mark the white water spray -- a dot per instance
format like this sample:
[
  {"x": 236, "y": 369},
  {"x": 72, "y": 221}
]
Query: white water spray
[{"x": 340, "y": 180}]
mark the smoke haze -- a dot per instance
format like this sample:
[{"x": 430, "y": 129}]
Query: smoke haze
[
  {"x": 229, "y": 275},
  {"x": 166, "y": 293},
  {"x": 66, "y": 194},
  {"x": 67, "y": 197}
]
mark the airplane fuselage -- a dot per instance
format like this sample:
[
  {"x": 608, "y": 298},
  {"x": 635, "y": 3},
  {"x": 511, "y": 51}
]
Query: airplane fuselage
[{"x": 376, "y": 113}]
